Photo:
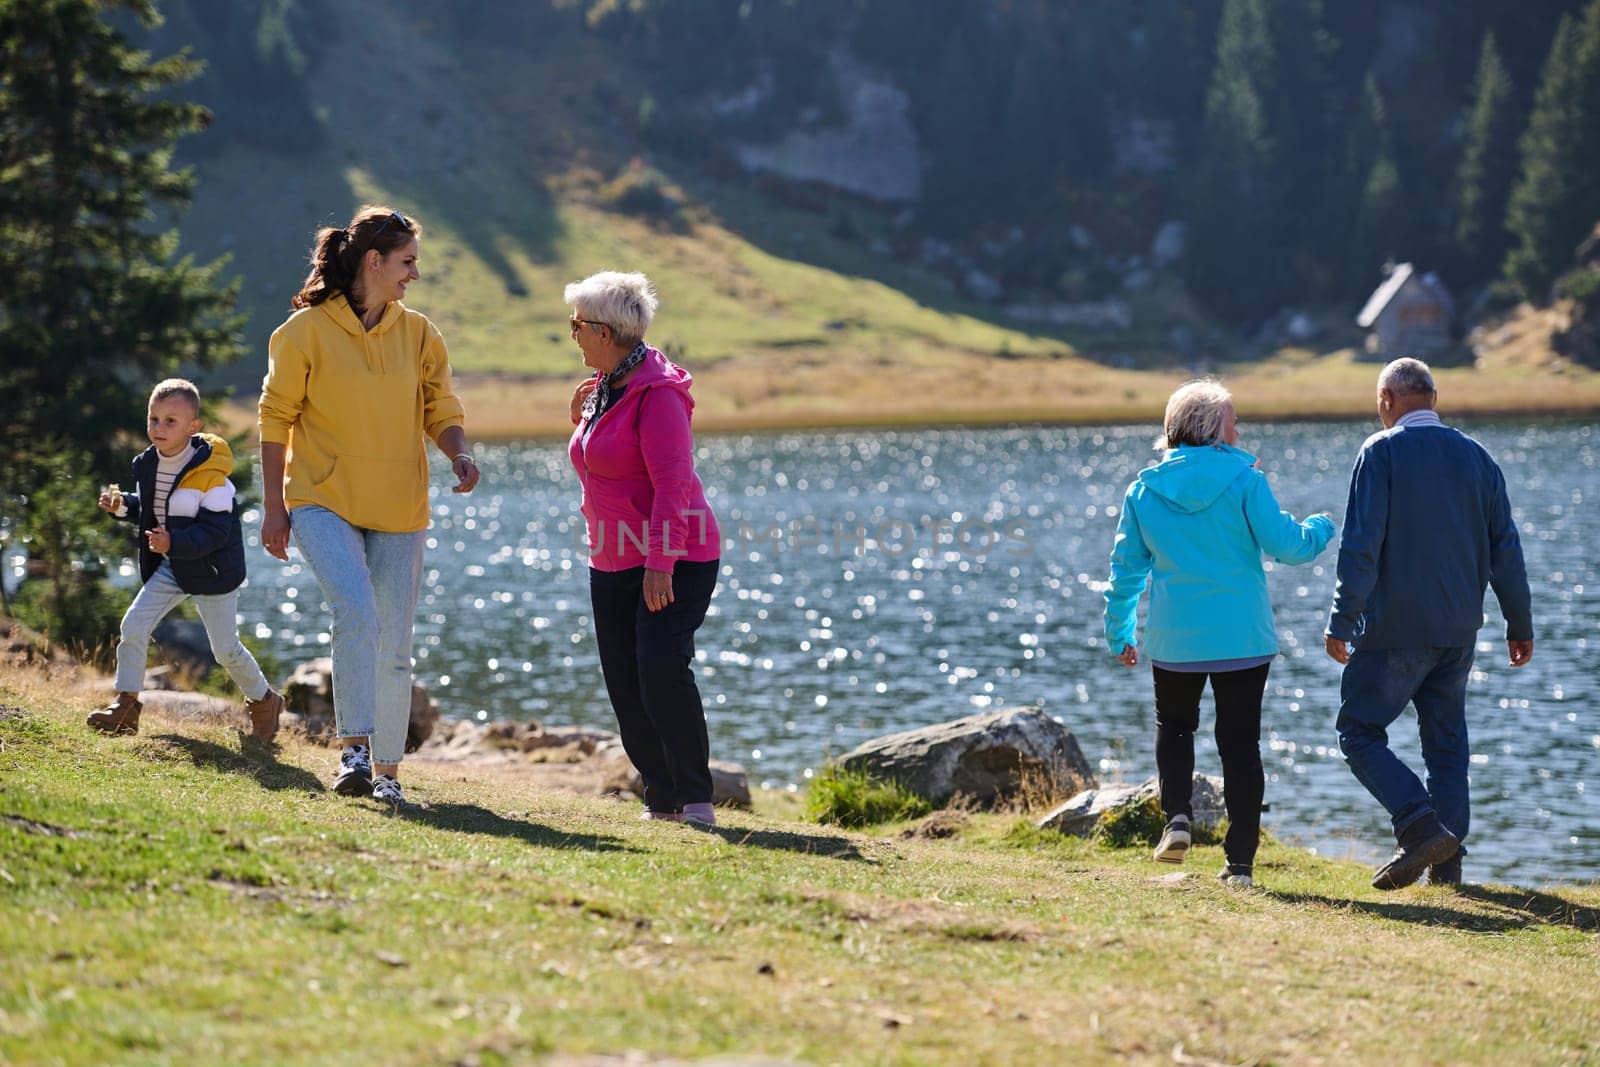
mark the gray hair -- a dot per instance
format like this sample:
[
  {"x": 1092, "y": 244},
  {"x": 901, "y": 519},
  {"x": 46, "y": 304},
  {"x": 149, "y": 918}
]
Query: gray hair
[
  {"x": 1407, "y": 377},
  {"x": 624, "y": 302},
  {"x": 1194, "y": 414}
]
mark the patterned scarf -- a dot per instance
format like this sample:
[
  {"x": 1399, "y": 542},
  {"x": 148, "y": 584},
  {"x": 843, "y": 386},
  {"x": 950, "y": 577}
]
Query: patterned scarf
[{"x": 601, "y": 397}]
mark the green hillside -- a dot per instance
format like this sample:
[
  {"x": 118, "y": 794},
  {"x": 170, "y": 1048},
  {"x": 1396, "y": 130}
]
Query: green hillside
[
  {"x": 539, "y": 142},
  {"x": 513, "y": 198}
]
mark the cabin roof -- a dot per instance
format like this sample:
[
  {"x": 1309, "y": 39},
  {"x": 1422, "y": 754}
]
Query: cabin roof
[{"x": 1396, "y": 281}]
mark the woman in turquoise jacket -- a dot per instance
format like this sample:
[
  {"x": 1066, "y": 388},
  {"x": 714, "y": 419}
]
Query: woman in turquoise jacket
[{"x": 1193, "y": 527}]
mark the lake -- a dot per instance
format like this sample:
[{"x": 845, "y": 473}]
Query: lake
[{"x": 877, "y": 581}]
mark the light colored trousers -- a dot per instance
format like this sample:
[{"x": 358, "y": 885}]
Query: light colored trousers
[
  {"x": 370, "y": 581},
  {"x": 220, "y": 615}
]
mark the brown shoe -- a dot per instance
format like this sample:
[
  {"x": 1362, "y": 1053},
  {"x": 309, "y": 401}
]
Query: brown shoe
[
  {"x": 264, "y": 716},
  {"x": 121, "y": 716}
]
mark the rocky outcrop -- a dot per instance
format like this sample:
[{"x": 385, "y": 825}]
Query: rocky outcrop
[
  {"x": 309, "y": 697},
  {"x": 983, "y": 758},
  {"x": 876, "y": 154},
  {"x": 1080, "y": 815}
]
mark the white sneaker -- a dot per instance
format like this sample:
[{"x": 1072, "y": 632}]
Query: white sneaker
[
  {"x": 1236, "y": 881},
  {"x": 1174, "y": 845},
  {"x": 386, "y": 788}
]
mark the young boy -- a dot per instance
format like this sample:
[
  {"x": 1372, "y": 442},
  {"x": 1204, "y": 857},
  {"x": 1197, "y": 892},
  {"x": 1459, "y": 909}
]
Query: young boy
[{"x": 190, "y": 545}]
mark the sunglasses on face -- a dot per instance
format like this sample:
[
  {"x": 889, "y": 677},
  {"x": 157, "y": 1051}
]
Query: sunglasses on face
[{"x": 576, "y": 322}]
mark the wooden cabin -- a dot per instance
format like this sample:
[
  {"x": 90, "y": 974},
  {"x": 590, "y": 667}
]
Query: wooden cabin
[{"x": 1410, "y": 314}]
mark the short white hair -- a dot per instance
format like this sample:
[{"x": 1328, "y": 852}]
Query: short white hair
[
  {"x": 1195, "y": 414},
  {"x": 1407, "y": 377},
  {"x": 624, "y": 302}
]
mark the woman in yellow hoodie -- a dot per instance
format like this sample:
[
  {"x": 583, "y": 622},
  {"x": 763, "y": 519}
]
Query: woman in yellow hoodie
[{"x": 355, "y": 380}]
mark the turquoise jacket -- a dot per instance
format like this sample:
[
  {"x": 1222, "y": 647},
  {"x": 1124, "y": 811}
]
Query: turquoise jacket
[{"x": 1193, "y": 527}]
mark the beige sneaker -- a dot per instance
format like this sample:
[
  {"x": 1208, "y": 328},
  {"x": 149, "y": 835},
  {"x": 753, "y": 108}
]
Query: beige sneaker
[
  {"x": 121, "y": 716},
  {"x": 264, "y": 715},
  {"x": 1174, "y": 845}
]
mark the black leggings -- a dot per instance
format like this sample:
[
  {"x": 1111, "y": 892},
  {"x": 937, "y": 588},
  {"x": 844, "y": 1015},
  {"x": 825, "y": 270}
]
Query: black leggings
[
  {"x": 1238, "y": 699},
  {"x": 646, "y": 657}
]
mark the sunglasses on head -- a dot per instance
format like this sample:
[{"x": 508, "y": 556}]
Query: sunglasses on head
[{"x": 394, "y": 216}]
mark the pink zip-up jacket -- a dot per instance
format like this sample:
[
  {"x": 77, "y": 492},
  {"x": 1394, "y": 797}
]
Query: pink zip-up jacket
[{"x": 642, "y": 499}]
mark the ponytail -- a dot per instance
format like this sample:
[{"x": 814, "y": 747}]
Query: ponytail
[
  {"x": 330, "y": 271},
  {"x": 336, "y": 253}
]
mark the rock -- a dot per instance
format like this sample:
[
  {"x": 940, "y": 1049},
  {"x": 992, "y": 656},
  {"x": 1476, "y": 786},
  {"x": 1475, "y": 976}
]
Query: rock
[
  {"x": 983, "y": 757},
  {"x": 185, "y": 642},
  {"x": 1168, "y": 245},
  {"x": 730, "y": 786},
  {"x": 876, "y": 153},
  {"x": 1300, "y": 327},
  {"x": 1138, "y": 279},
  {"x": 1080, "y": 815},
  {"x": 308, "y": 696},
  {"x": 1110, "y": 314},
  {"x": 983, "y": 286}
]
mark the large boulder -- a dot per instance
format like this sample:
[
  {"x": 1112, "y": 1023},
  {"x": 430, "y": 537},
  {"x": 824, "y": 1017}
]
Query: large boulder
[
  {"x": 308, "y": 697},
  {"x": 984, "y": 758},
  {"x": 1081, "y": 815}
]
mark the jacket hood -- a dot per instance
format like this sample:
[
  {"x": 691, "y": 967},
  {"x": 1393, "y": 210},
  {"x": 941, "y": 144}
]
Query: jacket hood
[
  {"x": 1192, "y": 478},
  {"x": 221, "y": 459},
  {"x": 338, "y": 308},
  {"x": 657, "y": 370}
]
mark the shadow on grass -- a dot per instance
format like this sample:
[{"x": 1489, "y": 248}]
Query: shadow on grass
[
  {"x": 839, "y": 848},
  {"x": 473, "y": 819},
  {"x": 1512, "y": 909},
  {"x": 255, "y": 761}
]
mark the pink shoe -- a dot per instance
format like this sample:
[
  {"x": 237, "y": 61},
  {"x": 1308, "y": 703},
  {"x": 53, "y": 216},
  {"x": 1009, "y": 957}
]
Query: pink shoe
[
  {"x": 700, "y": 814},
  {"x": 661, "y": 816}
]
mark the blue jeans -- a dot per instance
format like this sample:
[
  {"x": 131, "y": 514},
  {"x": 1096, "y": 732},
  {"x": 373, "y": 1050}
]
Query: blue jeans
[
  {"x": 219, "y": 613},
  {"x": 1375, "y": 689},
  {"x": 370, "y": 581}
]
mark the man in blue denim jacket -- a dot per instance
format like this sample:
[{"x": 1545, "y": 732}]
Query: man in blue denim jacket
[{"x": 1427, "y": 529}]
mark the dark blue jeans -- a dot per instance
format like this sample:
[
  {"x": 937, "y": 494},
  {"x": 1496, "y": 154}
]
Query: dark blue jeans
[
  {"x": 646, "y": 658},
  {"x": 1376, "y": 688}
]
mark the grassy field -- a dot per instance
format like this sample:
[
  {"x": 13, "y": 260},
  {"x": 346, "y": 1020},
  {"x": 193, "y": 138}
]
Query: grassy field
[{"x": 168, "y": 898}]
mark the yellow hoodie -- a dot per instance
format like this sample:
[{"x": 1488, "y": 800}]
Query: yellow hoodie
[{"x": 353, "y": 405}]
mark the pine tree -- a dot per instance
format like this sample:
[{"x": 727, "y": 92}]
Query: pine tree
[
  {"x": 1231, "y": 223},
  {"x": 1556, "y": 198},
  {"x": 1381, "y": 229},
  {"x": 1488, "y": 165},
  {"x": 96, "y": 306}
]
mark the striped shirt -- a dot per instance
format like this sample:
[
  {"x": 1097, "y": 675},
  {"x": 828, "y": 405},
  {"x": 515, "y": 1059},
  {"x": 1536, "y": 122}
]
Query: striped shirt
[{"x": 167, "y": 470}]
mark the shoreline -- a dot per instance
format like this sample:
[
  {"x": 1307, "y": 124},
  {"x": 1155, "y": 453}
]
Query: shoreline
[{"x": 500, "y": 425}]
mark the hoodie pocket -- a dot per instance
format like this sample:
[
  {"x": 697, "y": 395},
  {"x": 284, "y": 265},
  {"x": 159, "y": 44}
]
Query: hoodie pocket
[{"x": 382, "y": 494}]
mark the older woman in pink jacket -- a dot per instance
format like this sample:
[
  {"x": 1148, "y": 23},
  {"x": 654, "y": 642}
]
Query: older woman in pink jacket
[{"x": 653, "y": 541}]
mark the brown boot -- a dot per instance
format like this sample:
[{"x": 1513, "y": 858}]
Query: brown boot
[
  {"x": 121, "y": 716},
  {"x": 264, "y": 716}
]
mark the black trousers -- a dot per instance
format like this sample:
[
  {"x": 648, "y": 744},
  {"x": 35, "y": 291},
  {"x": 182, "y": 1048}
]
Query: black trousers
[
  {"x": 645, "y": 657},
  {"x": 1238, "y": 698}
]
